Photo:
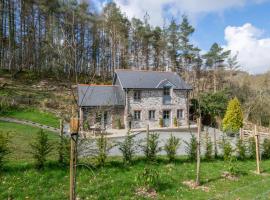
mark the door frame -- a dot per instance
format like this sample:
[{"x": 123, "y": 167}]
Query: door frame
[{"x": 169, "y": 119}]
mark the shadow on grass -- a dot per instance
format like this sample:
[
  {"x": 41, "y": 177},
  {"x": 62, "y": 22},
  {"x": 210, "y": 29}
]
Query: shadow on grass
[
  {"x": 22, "y": 167},
  {"x": 164, "y": 185}
]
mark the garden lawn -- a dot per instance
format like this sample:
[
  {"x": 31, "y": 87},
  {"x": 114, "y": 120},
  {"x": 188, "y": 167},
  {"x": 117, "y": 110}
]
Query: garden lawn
[
  {"x": 34, "y": 115},
  {"x": 116, "y": 181},
  {"x": 20, "y": 180}
]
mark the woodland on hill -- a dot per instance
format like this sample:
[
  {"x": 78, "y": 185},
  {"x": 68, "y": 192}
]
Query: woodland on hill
[{"x": 68, "y": 40}]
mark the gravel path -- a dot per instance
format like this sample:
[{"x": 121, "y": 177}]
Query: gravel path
[{"x": 30, "y": 123}]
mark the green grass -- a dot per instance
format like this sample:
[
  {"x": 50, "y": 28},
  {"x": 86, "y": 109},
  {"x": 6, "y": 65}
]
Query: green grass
[
  {"x": 21, "y": 180},
  {"x": 116, "y": 181},
  {"x": 35, "y": 116}
]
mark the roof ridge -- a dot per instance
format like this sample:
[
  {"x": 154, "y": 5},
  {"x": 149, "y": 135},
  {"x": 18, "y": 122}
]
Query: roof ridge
[
  {"x": 143, "y": 70},
  {"x": 82, "y": 84}
]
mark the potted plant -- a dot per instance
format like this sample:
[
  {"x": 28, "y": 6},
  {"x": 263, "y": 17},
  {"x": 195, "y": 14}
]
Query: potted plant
[
  {"x": 161, "y": 122},
  {"x": 118, "y": 123},
  {"x": 175, "y": 122}
]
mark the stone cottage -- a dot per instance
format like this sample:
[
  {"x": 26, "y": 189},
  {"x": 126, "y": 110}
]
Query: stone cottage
[{"x": 136, "y": 99}]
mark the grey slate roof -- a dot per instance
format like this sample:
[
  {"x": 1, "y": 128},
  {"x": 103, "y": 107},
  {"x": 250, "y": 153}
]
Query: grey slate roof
[
  {"x": 150, "y": 79},
  {"x": 100, "y": 95}
]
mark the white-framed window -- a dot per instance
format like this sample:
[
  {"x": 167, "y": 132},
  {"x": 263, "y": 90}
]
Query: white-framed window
[
  {"x": 166, "y": 91},
  {"x": 137, "y": 114},
  {"x": 151, "y": 114},
  {"x": 180, "y": 114},
  {"x": 167, "y": 95},
  {"x": 137, "y": 95}
]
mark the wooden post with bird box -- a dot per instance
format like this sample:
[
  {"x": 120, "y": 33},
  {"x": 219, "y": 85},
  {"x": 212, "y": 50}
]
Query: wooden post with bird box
[{"x": 74, "y": 129}]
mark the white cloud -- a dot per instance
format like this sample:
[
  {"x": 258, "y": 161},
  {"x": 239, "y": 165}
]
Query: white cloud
[
  {"x": 157, "y": 9},
  {"x": 253, "y": 50}
]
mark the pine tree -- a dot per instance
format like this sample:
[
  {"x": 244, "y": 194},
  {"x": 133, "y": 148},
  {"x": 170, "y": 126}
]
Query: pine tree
[
  {"x": 173, "y": 44},
  {"x": 233, "y": 119},
  {"x": 214, "y": 61},
  {"x": 4, "y": 147},
  {"x": 41, "y": 148}
]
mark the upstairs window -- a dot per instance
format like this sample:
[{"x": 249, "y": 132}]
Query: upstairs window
[
  {"x": 180, "y": 114},
  {"x": 151, "y": 114},
  {"x": 137, "y": 95},
  {"x": 137, "y": 114},
  {"x": 167, "y": 95},
  {"x": 166, "y": 91}
]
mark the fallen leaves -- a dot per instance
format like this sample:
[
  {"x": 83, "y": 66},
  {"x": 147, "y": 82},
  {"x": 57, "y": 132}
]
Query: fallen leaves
[{"x": 192, "y": 185}]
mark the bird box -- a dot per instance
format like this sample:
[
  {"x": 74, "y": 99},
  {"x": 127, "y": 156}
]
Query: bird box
[{"x": 74, "y": 125}]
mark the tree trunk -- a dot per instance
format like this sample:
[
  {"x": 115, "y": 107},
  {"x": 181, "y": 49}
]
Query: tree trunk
[{"x": 198, "y": 152}]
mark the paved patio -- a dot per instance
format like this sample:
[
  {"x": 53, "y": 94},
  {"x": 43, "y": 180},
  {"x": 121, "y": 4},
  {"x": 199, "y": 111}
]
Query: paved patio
[{"x": 115, "y": 133}]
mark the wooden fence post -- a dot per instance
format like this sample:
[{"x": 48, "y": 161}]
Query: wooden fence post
[
  {"x": 257, "y": 149},
  {"x": 198, "y": 152},
  {"x": 241, "y": 133},
  {"x": 147, "y": 138},
  {"x": 74, "y": 128},
  {"x": 61, "y": 128},
  {"x": 215, "y": 143}
]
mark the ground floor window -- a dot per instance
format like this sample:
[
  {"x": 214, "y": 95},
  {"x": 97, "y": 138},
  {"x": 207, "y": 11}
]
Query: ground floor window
[
  {"x": 166, "y": 114},
  {"x": 151, "y": 114},
  {"x": 98, "y": 117},
  {"x": 137, "y": 114},
  {"x": 180, "y": 114}
]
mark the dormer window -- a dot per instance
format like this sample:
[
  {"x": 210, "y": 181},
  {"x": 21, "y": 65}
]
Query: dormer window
[
  {"x": 137, "y": 95},
  {"x": 167, "y": 95},
  {"x": 167, "y": 91}
]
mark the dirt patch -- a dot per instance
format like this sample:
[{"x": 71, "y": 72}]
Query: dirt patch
[
  {"x": 261, "y": 174},
  {"x": 229, "y": 176},
  {"x": 146, "y": 192},
  {"x": 192, "y": 185}
]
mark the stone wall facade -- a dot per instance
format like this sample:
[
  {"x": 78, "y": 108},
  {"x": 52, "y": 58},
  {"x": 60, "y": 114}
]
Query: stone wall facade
[
  {"x": 150, "y": 100},
  {"x": 153, "y": 100},
  {"x": 90, "y": 115}
]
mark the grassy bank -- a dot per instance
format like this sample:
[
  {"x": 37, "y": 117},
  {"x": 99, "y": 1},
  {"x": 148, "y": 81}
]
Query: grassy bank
[
  {"x": 20, "y": 138},
  {"x": 34, "y": 115}
]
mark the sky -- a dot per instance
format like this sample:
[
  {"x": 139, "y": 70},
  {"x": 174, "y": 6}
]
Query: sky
[{"x": 242, "y": 26}]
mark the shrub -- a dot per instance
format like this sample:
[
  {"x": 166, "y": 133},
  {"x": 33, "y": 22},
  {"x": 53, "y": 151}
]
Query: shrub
[
  {"x": 151, "y": 148},
  {"x": 118, "y": 123},
  {"x": 148, "y": 178},
  {"x": 227, "y": 149},
  {"x": 175, "y": 122},
  {"x": 232, "y": 167},
  {"x": 252, "y": 148},
  {"x": 63, "y": 151},
  {"x": 171, "y": 146},
  {"x": 50, "y": 103},
  {"x": 233, "y": 119},
  {"x": 266, "y": 148},
  {"x": 41, "y": 148},
  {"x": 7, "y": 104},
  {"x": 103, "y": 148},
  {"x": 160, "y": 122},
  {"x": 128, "y": 148},
  {"x": 208, "y": 148},
  {"x": 191, "y": 148},
  {"x": 241, "y": 149},
  {"x": 4, "y": 148}
]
